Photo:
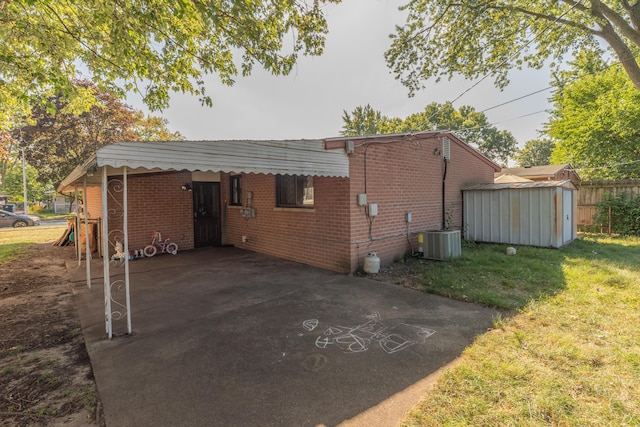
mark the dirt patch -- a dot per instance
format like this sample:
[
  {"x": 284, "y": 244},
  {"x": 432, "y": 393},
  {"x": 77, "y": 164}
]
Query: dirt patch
[
  {"x": 400, "y": 273},
  {"x": 45, "y": 373}
]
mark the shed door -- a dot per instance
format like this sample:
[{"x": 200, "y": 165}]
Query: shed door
[
  {"x": 567, "y": 216},
  {"x": 206, "y": 214}
]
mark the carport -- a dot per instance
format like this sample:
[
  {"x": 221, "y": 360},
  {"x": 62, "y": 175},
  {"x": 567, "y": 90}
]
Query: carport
[
  {"x": 122, "y": 160},
  {"x": 226, "y": 336}
]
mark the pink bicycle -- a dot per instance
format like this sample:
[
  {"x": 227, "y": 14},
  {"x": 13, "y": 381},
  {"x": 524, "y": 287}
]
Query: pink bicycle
[{"x": 159, "y": 243}]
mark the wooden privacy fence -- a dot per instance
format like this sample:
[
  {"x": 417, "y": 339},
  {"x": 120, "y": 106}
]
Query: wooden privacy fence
[{"x": 592, "y": 193}]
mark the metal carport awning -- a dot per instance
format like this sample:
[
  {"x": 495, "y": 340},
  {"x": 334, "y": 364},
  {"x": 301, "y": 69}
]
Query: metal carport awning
[{"x": 291, "y": 157}]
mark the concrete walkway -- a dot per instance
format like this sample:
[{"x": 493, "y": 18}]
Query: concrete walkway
[{"x": 226, "y": 337}]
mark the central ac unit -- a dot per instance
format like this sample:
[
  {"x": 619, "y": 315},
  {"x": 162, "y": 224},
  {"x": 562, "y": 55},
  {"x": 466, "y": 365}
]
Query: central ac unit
[{"x": 442, "y": 245}]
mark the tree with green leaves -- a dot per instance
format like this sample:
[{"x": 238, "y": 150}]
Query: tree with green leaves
[
  {"x": 57, "y": 141},
  {"x": 152, "y": 128},
  {"x": 596, "y": 124},
  {"x": 151, "y": 47},
  {"x": 536, "y": 152},
  {"x": 363, "y": 121},
  {"x": 489, "y": 38},
  {"x": 12, "y": 184},
  {"x": 471, "y": 126},
  {"x": 6, "y": 144}
]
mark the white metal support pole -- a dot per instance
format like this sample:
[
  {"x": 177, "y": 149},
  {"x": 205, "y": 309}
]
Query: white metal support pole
[
  {"x": 76, "y": 227},
  {"x": 86, "y": 233},
  {"x": 105, "y": 254},
  {"x": 125, "y": 200}
]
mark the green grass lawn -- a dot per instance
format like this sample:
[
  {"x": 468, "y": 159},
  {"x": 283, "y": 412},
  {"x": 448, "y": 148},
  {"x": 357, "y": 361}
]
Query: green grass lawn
[
  {"x": 13, "y": 241},
  {"x": 51, "y": 215},
  {"x": 569, "y": 352}
]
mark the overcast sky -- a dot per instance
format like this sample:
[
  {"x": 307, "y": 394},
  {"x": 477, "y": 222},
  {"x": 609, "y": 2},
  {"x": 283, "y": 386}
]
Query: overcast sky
[{"x": 309, "y": 102}]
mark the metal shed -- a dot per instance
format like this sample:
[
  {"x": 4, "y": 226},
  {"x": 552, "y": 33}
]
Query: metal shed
[{"x": 521, "y": 213}]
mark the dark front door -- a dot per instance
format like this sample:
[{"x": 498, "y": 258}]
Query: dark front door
[{"x": 206, "y": 214}]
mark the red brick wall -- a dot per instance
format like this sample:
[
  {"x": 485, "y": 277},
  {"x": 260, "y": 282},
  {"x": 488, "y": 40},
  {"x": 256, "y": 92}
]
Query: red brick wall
[
  {"x": 155, "y": 203},
  {"x": 405, "y": 175},
  {"x": 318, "y": 236}
]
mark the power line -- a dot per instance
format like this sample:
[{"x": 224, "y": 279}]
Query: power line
[
  {"x": 615, "y": 165},
  {"x": 522, "y": 116},
  {"x": 504, "y": 61},
  {"x": 545, "y": 89},
  {"x": 488, "y": 125},
  {"x": 517, "y": 99},
  {"x": 501, "y": 63}
]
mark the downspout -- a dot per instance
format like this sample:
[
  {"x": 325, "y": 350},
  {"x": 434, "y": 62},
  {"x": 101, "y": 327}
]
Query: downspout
[{"x": 444, "y": 178}]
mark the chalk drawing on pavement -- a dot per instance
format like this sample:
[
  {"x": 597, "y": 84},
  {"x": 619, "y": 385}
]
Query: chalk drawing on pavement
[
  {"x": 310, "y": 324},
  {"x": 391, "y": 336}
]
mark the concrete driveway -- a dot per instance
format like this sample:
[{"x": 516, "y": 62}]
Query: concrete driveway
[{"x": 228, "y": 337}]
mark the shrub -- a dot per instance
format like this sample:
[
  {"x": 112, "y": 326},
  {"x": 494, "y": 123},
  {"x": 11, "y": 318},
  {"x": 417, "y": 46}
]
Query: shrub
[{"x": 622, "y": 213}]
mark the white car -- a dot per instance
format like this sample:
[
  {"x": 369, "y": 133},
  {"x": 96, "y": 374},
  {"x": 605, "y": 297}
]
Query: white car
[{"x": 9, "y": 219}]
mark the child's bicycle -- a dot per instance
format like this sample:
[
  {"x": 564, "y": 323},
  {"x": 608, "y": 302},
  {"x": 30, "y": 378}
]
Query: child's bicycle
[{"x": 159, "y": 243}]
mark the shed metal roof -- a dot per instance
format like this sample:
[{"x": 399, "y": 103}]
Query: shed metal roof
[
  {"x": 293, "y": 157},
  {"x": 521, "y": 185}
]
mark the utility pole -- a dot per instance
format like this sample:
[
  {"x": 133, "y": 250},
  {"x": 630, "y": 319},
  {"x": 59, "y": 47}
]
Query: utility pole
[{"x": 24, "y": 184}]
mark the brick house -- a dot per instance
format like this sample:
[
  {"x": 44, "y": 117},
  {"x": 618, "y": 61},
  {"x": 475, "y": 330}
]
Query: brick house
[
  {"x": 325, "y": 203},
  {"x": 563, "y": 172}
]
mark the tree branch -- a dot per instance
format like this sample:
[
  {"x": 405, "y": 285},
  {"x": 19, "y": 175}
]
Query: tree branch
[
  {"x": 248, "y": 49},
  {"x": 603, "y": 11},
  {"x": 436, "y": 20},
  {"x": 634, "y": 13},
  {"x": 624, "y": 54},
  {"x": 576, "y": 5},
  {"x": 550, "y": 18},
  {"x": 68, "y": 31}
]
